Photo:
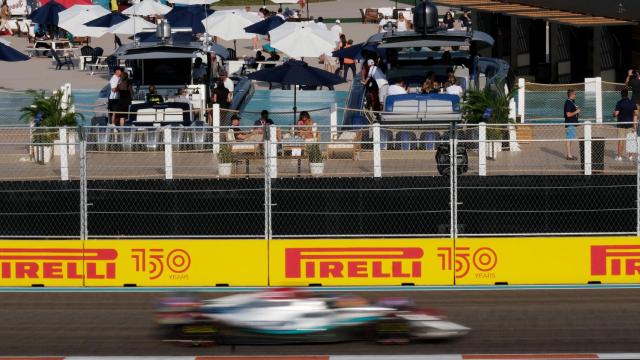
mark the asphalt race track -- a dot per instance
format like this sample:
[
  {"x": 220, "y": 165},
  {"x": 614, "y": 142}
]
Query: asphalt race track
[{"x": 517, "y": 321}]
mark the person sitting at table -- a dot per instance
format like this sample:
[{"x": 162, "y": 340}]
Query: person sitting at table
[
  {"x": 153, "y": 97},
  {"x": 428, "y": 87},
  {"x": 399, "y": 88},
  {"x": 453, "y": 88},
  {"x": 238, "y": 133},
  {"x": 304, "y": 128},
  {"x": 263, "y": 122}
]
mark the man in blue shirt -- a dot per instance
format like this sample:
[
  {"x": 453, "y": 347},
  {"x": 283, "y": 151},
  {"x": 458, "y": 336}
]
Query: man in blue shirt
[
  {"x": 571, "y": 113},
  {"x": 626, "y": 113}
]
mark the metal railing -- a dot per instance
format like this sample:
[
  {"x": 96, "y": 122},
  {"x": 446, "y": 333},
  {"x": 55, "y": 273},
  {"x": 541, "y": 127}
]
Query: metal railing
[{"x": 330, "y": 181}]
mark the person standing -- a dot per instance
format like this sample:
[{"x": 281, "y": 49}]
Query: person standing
[
  {"x": 633, "y": 81},
  {"x": 626, "y": 113},
  {"x": 337, "y": 29},
  {"x": 465, "y": 19},
  {"x": 125, "y": 91},
  {"x": 5, "y": 16},
  {"x": 402, "y": 23},
  {"x": 114, "y": 95},
  {"x": 571, "y": 113},
  {"x": 349, "y": 63},
  {"x": 376, "y": 74}
]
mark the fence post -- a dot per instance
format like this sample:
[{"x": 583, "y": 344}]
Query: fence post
[
  {"x": 334, "y": 121},
  {"x": 521, "y": 95},
  {"x": 64, "y": 157},
  {"x": 637, "y": 185},
  {"x": 168, "y": 154},
  {"x": 587, "y": 148},
  {"x": 268, "y": 232},
  {"x": 453, "y": 178},
  {"x": 598, "y": 99},
  {"x": 482, "y": 149},
  {"x": 215, "y": 115},
  {"x": 273, "y": 151},
  {"x": 83, "y": 190},
  {"x": 377, "y": 156}
]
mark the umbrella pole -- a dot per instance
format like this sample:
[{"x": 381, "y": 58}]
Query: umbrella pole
[
  {"x": 308, "y": 15},
  {"x": 295, "y": 101},
  {"x": 234, "y": 47}
]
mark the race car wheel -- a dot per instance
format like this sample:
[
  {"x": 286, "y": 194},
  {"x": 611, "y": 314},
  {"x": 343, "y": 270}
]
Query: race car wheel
[{"x": 393, "y": 331}]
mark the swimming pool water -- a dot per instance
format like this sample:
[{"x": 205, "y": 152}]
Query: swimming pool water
[{"x": 279, "y": 103}]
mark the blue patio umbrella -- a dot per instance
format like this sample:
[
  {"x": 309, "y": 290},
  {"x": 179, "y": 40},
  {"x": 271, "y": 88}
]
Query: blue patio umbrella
[
  {"x": 296, "y": 72},
  {"x": 108, "y": 20},
  {"x": 190, "y": 16},
  {"x": 47, "y": 14},
  {"x": 263, "y": 27},
  {"x": 355, "y": 51},
  {"x": 7, "y": 53}
]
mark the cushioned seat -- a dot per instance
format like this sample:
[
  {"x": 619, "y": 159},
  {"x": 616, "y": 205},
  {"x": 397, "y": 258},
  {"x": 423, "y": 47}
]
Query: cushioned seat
[{"x": 421, "y": 109}]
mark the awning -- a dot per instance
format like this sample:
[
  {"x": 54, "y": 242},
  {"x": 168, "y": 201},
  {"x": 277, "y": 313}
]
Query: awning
[
  {"x": 157, "y": 55},
  {"x": 534, "y": 12}
]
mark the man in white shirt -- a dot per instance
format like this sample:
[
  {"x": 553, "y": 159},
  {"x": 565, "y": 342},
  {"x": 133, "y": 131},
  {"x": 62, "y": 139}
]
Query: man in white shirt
[
  {"x": 383, "y": 23},
  {"x": 320, "y": 22},
  {"x": 380, "y": 78},
  {"x": 228, "y": 83},
  {"x": 399, "y": 88},
  {"x": 114, "y": 95},
  {"x": 337, "y": 29},
  {"x": 454, "y": 88}
]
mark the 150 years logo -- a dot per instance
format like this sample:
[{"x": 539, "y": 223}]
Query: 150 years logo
[
  {"x": 156, "y": 261},
  {"x": 482, "y": 260}
]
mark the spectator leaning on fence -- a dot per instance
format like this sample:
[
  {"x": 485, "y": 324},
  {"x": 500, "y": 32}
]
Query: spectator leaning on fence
[
  {"x": 571, "y": 113},
  {"x": 626, "y": 113}
]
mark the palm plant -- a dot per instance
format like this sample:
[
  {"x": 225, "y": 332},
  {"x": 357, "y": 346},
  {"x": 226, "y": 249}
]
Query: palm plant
[
  {"x": 314, "y": 153},
  {"x": 490, "y": 106},
  {"x": 225, "y": 155},
  {"x": 51, "y": 113}
]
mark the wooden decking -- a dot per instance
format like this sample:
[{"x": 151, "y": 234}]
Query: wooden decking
[{"x": 540, "y": 157}]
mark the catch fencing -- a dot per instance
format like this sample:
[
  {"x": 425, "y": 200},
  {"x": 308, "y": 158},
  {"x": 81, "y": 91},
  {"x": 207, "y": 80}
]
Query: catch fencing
[{"x": 317, "y": 181}]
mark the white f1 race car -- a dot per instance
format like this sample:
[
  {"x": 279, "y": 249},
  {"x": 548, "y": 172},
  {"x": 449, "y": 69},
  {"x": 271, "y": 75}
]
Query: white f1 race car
[{"x": 287, "y": 316}]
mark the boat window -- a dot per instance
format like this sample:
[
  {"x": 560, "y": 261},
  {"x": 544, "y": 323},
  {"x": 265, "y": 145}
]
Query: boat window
[{"x": 163, "y": 71}]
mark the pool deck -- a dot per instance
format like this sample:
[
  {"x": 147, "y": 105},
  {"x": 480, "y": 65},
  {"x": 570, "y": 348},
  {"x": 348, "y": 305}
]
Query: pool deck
[{"x": 535, "y": 158}]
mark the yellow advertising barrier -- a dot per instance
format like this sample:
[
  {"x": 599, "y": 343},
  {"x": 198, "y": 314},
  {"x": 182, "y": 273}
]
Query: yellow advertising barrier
[
  {"x": 184, "y": 262},
  {"x": 358, "y": 262},
  {"x": 46, "y": 262},
  {"x": 545, "y": 260},
  {"x": 303, "y": 262},
  {"x": 133, "y": 262}
]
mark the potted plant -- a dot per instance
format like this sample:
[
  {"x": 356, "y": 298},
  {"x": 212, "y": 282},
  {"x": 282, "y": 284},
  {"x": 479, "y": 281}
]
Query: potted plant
[
  {"x": 225, "y": 160},
  {"x": 46, "y": 114},
  {"x": 316, "y": 159},
  {"x": 492, "y": 107}
]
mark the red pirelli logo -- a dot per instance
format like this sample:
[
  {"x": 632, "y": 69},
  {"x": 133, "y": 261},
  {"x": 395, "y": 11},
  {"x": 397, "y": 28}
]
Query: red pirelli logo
[
  {"x": 56, "y": 263},
  {"x": 615, "y": 260},
  {"x": 360, "y": 262}
]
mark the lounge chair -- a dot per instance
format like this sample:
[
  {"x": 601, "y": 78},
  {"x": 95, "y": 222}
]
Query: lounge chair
[
  {"x": 347, "y": 142},
  {"x": 406, "y": 140},
  {"x": 241, "y": 147},
  {"x": 370, "y": 15},
  {"x": 62, "y": 61}
]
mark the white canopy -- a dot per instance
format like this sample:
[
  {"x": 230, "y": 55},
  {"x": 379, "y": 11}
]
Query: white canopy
[
  {"x": 229, "y": 24},
  {"x": 300, "y": 40},
  {"x": 131, "y": 26},
  {"x": 147, "y": 8},
  {"x": 74, "y": 18},
  {"x": 193, "y": 2}
]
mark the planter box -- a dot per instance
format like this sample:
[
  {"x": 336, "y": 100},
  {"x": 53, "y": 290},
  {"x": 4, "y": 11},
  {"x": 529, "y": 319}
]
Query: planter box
[{"x": 224, "y": 169}]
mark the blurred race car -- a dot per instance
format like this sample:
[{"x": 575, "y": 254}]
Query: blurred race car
[{"x": 287, "y": 316}]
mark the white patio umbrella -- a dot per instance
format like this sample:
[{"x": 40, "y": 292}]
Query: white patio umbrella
[
  {"x": 302, "y": 40},
  {"x": 193, "y": 2},
  {"x": 147, "y": 8},
  {"x": 229, "y": 24},
  {"x": 132, "y": 26},
  {"x": 74, "y": 18},
  {"x": 6, "y": 42}
]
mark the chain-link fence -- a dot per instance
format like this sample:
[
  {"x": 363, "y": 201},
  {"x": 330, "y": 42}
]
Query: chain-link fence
[{"x": 318, "y": 180}]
